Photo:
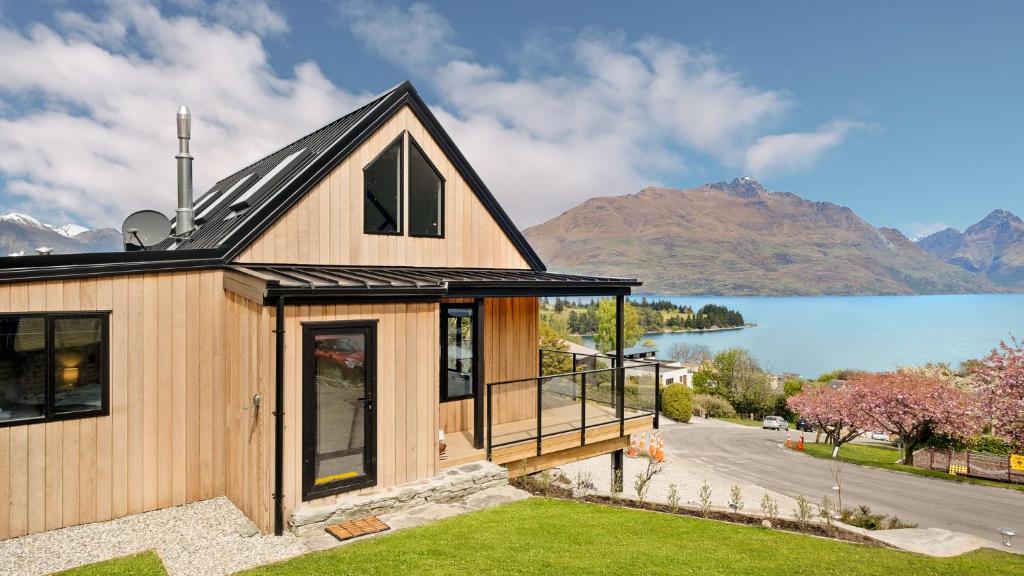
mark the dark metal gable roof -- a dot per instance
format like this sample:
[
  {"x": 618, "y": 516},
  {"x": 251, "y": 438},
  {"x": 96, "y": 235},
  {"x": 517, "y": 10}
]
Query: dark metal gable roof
[{"x": 328, "y": 147}]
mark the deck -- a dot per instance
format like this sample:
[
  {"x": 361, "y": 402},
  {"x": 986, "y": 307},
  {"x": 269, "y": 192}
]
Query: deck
[{"x": 560, "y": 429}]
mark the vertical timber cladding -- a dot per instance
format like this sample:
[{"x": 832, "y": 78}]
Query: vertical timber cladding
[
  {"x": 163, "y": 443},
  {"x": 510, "y": 351},
  {"x": 408, "y": 364},
  {"x": 326, "y": 225}
]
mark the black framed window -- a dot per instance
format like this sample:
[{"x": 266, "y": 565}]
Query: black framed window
[
  {"x": 338, "y": 413},
  {"x": 458, "y": 352},
  {"x": 382, "y": 191},
  {"x": 426, "y": 195},
  {"x": 53, "y": 366}
]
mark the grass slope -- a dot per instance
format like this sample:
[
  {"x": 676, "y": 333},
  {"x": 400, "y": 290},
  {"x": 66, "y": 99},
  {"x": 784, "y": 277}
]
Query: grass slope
[
  {"x": 541, "y": 536},
  {"x": 885, "y": 457},
  {"x": 144, "y": 564}
]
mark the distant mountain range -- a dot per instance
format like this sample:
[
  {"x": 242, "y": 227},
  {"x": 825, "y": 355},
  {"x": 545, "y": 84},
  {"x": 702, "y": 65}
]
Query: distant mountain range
[
  {"x": 737, "y": 238},
  {"x": 23, "y": 234},
  {"x": 993, "y": 247}
]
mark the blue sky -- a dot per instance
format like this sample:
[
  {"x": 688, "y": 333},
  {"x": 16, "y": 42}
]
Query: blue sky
[{"x": 907, "y": 112}]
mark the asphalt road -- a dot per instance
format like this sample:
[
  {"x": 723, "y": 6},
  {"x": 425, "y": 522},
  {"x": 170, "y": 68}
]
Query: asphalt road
[{"x": 757, "y": 456}]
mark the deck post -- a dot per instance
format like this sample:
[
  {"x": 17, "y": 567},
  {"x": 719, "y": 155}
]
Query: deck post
[
  {"x": 583, "y": 410},
  {"x": 617, "y": 470},
  {"x": 620, "y": 372},
  {"x": 657, "y": 394},
  {"x": 540, "y": 427},
  {"x": 490, "y": 424}
]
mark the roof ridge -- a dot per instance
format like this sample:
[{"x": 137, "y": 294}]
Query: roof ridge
[{"x": 330, "y": 124}]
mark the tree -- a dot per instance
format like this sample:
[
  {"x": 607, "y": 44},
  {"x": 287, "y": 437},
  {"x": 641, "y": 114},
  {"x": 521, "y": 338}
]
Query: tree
[
  {"x": 553, "y": 362},
  {"x": 736, "y": 376},
  {"x": 830, "y": 410},
  {"x": 683, "y": 352},
  {"x": 914, "y": 406},
  {"x": 604, "y": 339},
  {"x": 1000, "y": 382}
]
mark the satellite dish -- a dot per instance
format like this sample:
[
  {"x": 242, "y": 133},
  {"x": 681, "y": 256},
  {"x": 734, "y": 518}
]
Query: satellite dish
[{"x": 145, "y": 228}]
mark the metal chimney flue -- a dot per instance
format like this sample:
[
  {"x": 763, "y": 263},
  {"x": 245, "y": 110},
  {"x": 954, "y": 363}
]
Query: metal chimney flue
[{"x": 184, "y": 221}]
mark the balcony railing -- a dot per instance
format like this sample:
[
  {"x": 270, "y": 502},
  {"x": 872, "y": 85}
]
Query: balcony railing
[{"x": 530, "y": 410}]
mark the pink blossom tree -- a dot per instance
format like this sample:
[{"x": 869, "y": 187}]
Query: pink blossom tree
[
  {"x": 1000, "y": 385},
  {"x": 913, "y": 406},
  {"x": 830, "y": 410}
]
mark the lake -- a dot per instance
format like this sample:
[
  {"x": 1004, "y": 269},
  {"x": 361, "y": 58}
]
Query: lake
[{"x": 810, "y": 335}]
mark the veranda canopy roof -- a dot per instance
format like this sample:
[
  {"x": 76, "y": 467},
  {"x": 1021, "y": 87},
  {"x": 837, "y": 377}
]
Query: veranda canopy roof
[{"x": 340, "y": 282}]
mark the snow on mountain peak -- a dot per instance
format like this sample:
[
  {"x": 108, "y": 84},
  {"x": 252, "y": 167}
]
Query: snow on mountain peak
[
  {"x": 21, "y": 219},
  {"x": 66, "y": 230}
]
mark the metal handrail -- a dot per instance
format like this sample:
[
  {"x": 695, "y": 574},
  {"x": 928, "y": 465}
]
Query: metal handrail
[{"x": 618, "y": 401}]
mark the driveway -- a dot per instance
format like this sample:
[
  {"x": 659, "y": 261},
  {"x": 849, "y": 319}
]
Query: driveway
[{"x": 757, "y": 457}]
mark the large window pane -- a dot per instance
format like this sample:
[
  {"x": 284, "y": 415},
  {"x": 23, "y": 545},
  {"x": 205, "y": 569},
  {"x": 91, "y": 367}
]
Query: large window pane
[
  {"x": 426, "y": 190},
  {"x": 341, "y": 395},
  {"x": 78, "y": 366},
  {"x": 459, "y": 340},
  {"x": 382, "y": 181},
  {"x": 22, "y": 367}
]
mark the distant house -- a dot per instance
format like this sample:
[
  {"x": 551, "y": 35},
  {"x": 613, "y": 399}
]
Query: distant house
[
  {"x": 315, "y": 323},
  {"x": 640, "y": 352},
  {"x": 676, "y": 373}
]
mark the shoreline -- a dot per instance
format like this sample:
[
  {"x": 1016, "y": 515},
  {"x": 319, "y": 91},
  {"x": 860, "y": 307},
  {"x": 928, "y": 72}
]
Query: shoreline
[
  {"x": 687, "y": 331},
  {"x": 716, "y": 329}
]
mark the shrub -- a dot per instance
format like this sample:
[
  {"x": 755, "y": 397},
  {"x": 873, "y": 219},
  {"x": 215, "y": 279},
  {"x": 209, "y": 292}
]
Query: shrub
[
  {"x": 714, "y": 406},
  {"x": 863, "y": 517},
  {"x": 677, "y": 402}
]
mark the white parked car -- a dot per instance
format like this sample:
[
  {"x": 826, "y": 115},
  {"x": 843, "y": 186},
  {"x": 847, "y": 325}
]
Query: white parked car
[
  {"x": 774, "y": 423},
  {"x": 880, "y": 436}
]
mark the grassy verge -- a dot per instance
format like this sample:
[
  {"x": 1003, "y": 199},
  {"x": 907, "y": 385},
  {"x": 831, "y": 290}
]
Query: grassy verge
[
  {"x": 743, "y": 421},
  {"x": 542, "y": 536},
  {"x": 885, "y": 457},
  {"x": 145, "y": 564}
]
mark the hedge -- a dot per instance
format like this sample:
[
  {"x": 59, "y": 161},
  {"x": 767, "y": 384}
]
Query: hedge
[{"x": 677, "y": 402}]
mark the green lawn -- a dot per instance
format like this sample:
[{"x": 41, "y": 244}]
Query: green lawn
[
  {"x": 145, "y": 564},
  {"x": 542, "y": 536},
  {"x": 885, "y": 457}
]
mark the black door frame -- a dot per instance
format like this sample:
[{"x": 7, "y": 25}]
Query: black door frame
[
  {"x": 477, "y": 394},
  {"x": 310, "y": 490}
]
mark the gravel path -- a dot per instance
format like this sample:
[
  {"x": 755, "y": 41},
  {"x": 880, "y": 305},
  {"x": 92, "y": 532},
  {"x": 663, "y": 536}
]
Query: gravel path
[
  {"x": 200, "y": 539},
  {"x": 204, "y": 538}
]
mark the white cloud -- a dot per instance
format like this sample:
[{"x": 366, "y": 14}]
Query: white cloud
[
  {"x": 795, "y": 151},
  {"x": 93, "y": 136},
  {"x": 415, "y": 38},
  {"x": 611, "y": 118},
  {"x": 86, "y": 107}
]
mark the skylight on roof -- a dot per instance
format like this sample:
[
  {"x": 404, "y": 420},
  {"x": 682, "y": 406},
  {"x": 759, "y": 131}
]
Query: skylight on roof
[
  {"x": 271, "y": 178},
  {"x": 203, "y": 213},
  {"x": 205, "y": 200}
]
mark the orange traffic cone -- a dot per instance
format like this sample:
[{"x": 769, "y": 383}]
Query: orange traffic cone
[
  {"x": 800, "y": 445},
  {"x": 632, "y": 448},
  {"x": 789, "y": 442},
  {"x": 642, "y": 449},
  {"x": 660, "y": 456}
]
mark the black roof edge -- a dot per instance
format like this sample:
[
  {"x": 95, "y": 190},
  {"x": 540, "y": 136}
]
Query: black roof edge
[
  {"x": 88, "y": 265},
  {"x": 100, "y": 258},
  {"x": 403, "y": 94}
]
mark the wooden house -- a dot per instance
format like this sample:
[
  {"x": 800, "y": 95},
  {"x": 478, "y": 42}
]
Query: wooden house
[{"x": 336, "y": 307}]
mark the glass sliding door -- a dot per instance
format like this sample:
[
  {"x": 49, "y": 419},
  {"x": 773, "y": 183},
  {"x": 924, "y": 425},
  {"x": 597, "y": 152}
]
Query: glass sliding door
[{"x": 339, "y": 423}]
